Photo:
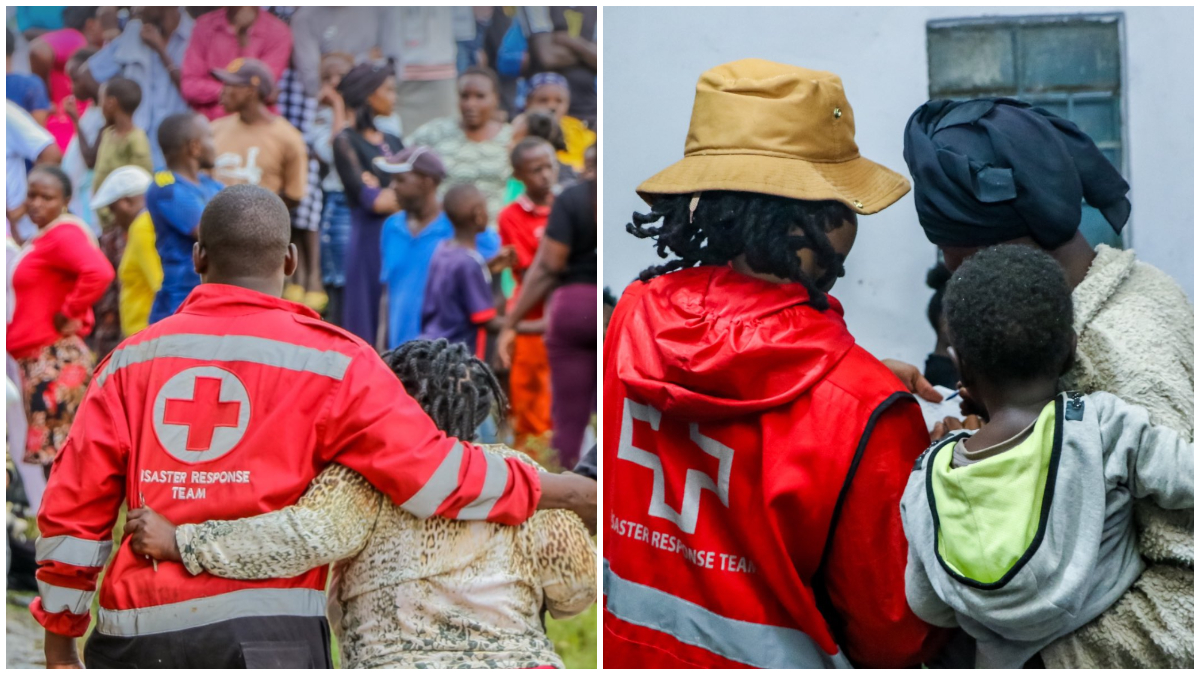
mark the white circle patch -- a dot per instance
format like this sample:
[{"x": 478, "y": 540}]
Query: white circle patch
[{"x": 201, "y": 413}]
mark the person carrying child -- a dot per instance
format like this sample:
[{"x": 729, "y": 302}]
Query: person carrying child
[
  {"x": 1023, "y": 532},
  {"x": 453, "y": 594},
  {"x": 1031, "y": 172}
]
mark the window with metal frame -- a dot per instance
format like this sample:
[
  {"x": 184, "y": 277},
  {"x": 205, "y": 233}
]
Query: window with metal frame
[{"x": 1070, "y": 65}]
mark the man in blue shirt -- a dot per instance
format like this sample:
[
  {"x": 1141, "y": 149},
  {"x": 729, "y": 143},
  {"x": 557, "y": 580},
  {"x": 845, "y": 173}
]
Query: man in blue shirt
[
  {"x": 175, "y": 202},
  {"x": 411, "y": 236}
]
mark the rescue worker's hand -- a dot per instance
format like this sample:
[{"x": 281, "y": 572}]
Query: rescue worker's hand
[
  {"x": 570, "y": 491},
  {"x": 152, "y": 535},
  {"x": 913, "y": 380},
  {"x": 61, "y": 652},
  {"x": 941, "y": 429}
]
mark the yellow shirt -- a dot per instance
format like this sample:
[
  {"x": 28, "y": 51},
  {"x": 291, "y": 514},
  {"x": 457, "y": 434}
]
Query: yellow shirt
[
  {"x": 578, "y": 138},
  {"x": 141, "y": 275}
]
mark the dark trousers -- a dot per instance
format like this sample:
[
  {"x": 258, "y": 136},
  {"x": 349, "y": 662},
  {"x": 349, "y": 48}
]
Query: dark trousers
[
  {"x": 571, "y": 348},
  {"x": 252, "y": 642}
]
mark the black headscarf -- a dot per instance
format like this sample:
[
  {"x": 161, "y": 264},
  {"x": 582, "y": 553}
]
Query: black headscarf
[
  {"x": 991, "y": 170},
  {"x": 362, "y": 81}
]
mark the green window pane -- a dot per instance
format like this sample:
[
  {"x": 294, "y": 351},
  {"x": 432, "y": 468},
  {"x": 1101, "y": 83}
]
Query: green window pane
[
  {"x": 1114, "y": 156},
  {"x": 968, "y": 60},
  {"x": 1097, "y": 230},
  {"x": 1070, "y": 56},
  {"x": 1058, "y": 108},
  {"x": 1098, "y": 119}
]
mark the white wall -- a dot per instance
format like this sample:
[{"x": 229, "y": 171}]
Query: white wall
[{"x": 653, "y": 56}]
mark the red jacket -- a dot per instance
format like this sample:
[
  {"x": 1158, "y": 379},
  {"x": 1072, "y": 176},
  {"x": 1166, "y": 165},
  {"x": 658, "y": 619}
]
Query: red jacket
[
  {"x": 739, "y": 425},
  {"x": 228, "y": 409},
  {"x": 61, "y": 270}
]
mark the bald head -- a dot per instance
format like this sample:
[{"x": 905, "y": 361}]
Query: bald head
[
  {"x": 245, "y": 232},
  {"x": 465, "y": 206}
]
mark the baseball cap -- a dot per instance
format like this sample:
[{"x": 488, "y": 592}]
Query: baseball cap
[
  {"x": 247, "y": 73},
  {"x": 420, "y": 159},
  {"x": 127, "y": 181}
]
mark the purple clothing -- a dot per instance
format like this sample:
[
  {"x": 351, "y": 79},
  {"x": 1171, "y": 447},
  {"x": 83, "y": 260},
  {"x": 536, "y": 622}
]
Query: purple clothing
[
  {"x": 571, "y": 348},
  {"x": 458, "y": 296}
]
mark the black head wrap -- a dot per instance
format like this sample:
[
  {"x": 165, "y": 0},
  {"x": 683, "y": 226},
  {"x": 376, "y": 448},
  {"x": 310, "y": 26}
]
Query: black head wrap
[
  {"x": 362, "y": 81},
  {"x": 991, "y": 170}
]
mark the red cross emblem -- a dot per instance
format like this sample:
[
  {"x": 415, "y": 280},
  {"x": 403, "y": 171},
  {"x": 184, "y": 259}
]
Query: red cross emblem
[{"x": 201, "y": 413}]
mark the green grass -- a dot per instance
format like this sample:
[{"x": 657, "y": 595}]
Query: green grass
[{"x": 575, "y": 638}]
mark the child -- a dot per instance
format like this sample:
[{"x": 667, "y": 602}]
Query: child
[
  {"x": 415, "y": 593},
  {"x": 521, "y": 225},
  {"x": 121, "y": 142},
  {"x": 123, "y": 194},
  {"x": 459, "y": 304},
  {"x": 80, "y": 158},
  {"x": 551, "y": 92},
  {"x": 335, "y": 213},
  {"x": 1023, "y": 532}
]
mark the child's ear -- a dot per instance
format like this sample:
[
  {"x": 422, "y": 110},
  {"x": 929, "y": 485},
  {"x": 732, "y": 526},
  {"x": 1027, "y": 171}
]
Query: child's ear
[{"x": 199, "y": 259}]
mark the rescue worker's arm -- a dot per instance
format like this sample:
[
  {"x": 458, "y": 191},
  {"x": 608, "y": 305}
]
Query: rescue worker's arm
[
  {"x": 566, "y": 557},
  {"x": 374, "y": 427},
  {"x": 332, "y": 521},
  {"x": 79, "y": 509},
  {"x": 874, "y": 624}
]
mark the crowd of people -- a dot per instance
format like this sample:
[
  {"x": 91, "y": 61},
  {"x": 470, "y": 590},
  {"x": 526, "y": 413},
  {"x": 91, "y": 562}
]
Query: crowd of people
[
  {"x": 437, "y": 166},
  {"x": 772, "y": 497}
]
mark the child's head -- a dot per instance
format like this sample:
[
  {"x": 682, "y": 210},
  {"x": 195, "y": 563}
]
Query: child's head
[
  {"x": 549, "y": 92},
  {"x": 86, "y": 21},
  {"x": 466, "y": 207},
  {"x": 83, "y": 85},
  {"x": 456, "y": 390},
  {"x": 540, "y": 124},
  {"x": 1009, "y": 316},
  {"x": 334, "y": 67},
  {"x": 534, "y": 164},
  {"x": 416, "y": 174},
  {"x": 119, "y": 98}
]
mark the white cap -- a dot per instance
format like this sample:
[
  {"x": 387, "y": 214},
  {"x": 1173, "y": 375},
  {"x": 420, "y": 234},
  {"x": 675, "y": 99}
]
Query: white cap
[{"x": 127, "y": 181}]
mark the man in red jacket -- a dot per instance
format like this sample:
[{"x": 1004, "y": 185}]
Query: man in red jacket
[
  {"x": 754, "y": 455},
  {"x": 229, "y": 409}
]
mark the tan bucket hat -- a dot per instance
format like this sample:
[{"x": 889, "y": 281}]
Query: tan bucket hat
[{"x": 760, "y": 126}]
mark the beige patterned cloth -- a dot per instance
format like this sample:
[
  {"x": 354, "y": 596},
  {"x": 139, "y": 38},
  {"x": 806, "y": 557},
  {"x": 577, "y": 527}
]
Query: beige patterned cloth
[
  {"x": 411, "y": 593},
  {"x": 1136, "y": 335}
]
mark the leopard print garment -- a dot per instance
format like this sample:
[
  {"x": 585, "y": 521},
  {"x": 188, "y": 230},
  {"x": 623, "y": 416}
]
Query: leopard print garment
[{"x": 411, "y": 593}]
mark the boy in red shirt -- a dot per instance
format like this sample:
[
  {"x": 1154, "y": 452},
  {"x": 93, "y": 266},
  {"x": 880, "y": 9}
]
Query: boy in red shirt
[{"x": 521, "y": 225}]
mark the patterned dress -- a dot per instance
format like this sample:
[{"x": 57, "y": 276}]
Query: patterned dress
[{"x": 411, "y": 593}]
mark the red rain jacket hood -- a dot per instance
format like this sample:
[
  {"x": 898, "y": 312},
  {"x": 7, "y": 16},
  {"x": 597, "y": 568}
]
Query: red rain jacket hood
[
  {"x": 754, "y": 458},
  {"x": 729, "y": 345}
]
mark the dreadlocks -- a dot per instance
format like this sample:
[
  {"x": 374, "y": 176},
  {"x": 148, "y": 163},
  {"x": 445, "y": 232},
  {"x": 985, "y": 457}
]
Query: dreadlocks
[
  {"x": 727, "y": 224},
  {"x": 456, "y": 390}
]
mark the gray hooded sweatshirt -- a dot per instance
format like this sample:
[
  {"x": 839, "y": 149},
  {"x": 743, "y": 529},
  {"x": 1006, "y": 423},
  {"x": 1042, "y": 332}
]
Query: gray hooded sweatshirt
[{"x": 1025, "y": 547}]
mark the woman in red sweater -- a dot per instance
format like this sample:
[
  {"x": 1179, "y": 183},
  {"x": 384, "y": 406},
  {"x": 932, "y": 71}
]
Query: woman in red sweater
[{"x": 57, "y": 278}]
